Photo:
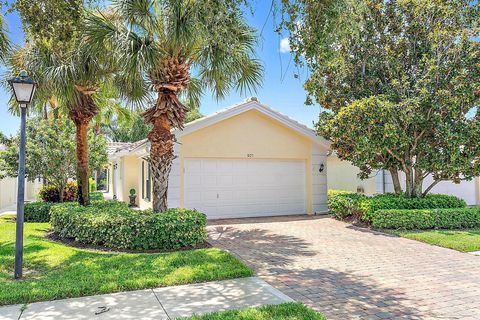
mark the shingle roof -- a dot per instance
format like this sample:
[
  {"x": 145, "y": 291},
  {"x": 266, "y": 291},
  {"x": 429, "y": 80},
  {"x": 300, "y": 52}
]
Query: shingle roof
[{"x": 114, "y": 147}]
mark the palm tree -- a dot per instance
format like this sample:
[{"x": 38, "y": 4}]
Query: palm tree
[
  {"x": 44, "y": 94},
  {"x": 73, "y": 79},
  {"x": 176, "y": 49}
]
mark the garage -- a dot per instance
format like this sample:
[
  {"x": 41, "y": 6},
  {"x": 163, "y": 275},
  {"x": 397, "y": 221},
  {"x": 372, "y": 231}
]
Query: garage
[
  {"x": 247, "y": 160},
  {"x": 226, "y": 188}
]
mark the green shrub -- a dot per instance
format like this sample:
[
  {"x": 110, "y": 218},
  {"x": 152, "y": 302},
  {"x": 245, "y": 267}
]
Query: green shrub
[
  {"x": 96, "y": 196},
  {"x": 50, "y": 193},
  {"x": 112, "y": 224},
  {"x": 343, "y": 204},
  {"x": 92, "y": 185},
  {"x": 452, "y": 218},
  {"x": 37, "y": 211},
  {"x": 70, "y": 193},
  {"x": 393, "y": 201}
]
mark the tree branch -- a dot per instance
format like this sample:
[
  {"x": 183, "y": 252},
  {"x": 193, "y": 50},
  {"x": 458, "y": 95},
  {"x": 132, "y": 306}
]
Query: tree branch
[{"x": 430, "y": 187}]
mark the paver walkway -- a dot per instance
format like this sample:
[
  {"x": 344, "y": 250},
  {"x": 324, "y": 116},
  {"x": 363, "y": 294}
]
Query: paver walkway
[
  {"x": 158, "y": 304},
  {"x": 353, "y": 273}
]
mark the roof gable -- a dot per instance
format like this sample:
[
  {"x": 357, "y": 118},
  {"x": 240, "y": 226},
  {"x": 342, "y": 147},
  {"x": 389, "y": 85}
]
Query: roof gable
[
  {"x": 252, "y": 104},
  {"x": 140, "y": 147}
]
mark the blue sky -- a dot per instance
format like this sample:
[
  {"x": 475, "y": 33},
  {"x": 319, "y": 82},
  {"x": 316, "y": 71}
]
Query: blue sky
[{"x": 280, "y": 90}]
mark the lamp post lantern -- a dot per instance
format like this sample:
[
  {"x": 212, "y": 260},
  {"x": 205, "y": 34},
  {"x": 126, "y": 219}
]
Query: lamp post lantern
[{"x": 23, "y": 88}]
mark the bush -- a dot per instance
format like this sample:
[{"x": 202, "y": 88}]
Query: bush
[
  {"x": 92, "y": 185},
  {"x": 393, "y": 201},
  {"x": 70, "y": 193},
  {"x": 453, "y": 218},
  {"x": 343, "y": 204},
  {"x": 37, "y": 211},
  {"x": 112, "y": 224},
  {"x": 96, "y": 196},
  {"x": 50, "y": 193}
]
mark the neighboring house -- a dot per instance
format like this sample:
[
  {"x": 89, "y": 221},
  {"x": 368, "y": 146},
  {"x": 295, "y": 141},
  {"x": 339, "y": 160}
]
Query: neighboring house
[
  {"x": 245, "y": 161},
  {"x": 343, "y": 175},
  {"x": 8, "y": 190}
]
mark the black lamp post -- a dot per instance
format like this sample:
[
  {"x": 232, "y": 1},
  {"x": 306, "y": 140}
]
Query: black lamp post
[{"x": 24, "y": 88}]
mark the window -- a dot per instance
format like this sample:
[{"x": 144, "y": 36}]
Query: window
[
  {"x": 146, "y": 181},
  {"x": 143, "y": 179},
  {"x": 149, "y": 183}
]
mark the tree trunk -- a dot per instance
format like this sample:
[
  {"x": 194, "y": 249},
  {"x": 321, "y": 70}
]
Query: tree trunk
[
  {"x": 161, "y": 158},
  {"x": 60, "y": 193},
  {"x": 409, "y": 182},
  {"x": 82, "y": 112},
  {"x": 82, "y": 163},
  {"x": 169, "y": 78},
  {"x": 396, "y": 180},
  {"x": 418, "y": 184},
  {"x": 45, "y": 112}
]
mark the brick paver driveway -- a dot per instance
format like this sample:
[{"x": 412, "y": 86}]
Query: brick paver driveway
[{"x": 353, "y": 273}]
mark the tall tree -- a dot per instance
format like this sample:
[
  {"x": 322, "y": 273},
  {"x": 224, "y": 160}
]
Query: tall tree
[
  {"x": 176, "y": 49},
  {"x": 400, "y": 82},
  {"x": 58, "y": 56}
]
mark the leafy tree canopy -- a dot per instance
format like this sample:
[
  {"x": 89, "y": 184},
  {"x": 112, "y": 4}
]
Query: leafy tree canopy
[
  {"x": 51, "y": 23},
  {"x": 399, "y": 81},
  {"x": 50, "y": 152}
]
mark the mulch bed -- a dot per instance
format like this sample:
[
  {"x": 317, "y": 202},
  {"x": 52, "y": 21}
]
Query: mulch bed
[{"x": 72, "y": 243}]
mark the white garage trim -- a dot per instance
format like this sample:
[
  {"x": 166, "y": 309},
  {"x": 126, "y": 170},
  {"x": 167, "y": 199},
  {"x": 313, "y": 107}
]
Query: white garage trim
[{"x": 233, "y": 188}]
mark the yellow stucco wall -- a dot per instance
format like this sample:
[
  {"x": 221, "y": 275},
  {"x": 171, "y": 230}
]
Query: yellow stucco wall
[
  {"x": 249, "y": 133},
  {"x": 130, "y": 176},
  {"x": 343, "y": 175}
]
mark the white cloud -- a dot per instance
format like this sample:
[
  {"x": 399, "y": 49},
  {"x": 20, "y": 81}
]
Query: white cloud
[{"x": 285, "y": 45}]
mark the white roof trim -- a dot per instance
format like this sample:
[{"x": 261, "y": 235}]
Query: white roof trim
[{"x": 247, "y": 106}]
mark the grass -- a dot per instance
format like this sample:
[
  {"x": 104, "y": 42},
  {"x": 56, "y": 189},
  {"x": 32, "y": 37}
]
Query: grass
[
  {"x": 286, "y": 311},
  {"x": 461, "y": 240},
  {"x": 54, "y": 271}
]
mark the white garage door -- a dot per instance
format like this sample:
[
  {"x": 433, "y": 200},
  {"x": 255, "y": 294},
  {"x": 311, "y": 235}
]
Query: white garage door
[{"x": 228, "y": 188}]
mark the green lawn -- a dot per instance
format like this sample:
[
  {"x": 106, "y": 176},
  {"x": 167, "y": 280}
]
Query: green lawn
[
  {"x": 461, "y": 240},
  {"x": 54, "y": 271},
  {"x": 287, "y": 311}
]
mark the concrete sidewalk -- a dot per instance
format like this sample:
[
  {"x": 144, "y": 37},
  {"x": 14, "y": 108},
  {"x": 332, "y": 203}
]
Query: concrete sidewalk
[{"x": 161, "y": 303}]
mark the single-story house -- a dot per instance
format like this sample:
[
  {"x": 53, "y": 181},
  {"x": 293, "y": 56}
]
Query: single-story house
[
  {"x": 344, "y": 175},
  {"x": 244, "y": 161}
]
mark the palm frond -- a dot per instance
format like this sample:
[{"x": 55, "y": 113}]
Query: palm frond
[{"x": 5, "y": 44}]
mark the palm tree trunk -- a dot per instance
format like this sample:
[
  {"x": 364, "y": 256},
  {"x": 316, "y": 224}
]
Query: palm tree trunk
[
  {"x": 161, "y": 158},
  {"x": 82, "y": 163},
  {"x": 82, "y": 112}
]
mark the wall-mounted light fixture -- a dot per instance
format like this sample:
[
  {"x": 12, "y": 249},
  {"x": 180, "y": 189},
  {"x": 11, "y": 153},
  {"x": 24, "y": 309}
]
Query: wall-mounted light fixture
[
  {"x": 322, "y": 167},
  {"x": 115, "y": 166}
]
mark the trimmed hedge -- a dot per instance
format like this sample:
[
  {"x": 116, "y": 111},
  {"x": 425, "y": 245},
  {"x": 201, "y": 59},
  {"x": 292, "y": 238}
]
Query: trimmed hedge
[
  {"x": 393, "y": 201},
  {"x": 37, "y": 211},
  {"x": 455, "y": 218},
  {"x": 113, "y": 225},
  {"x": 343, "y": 204}
]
